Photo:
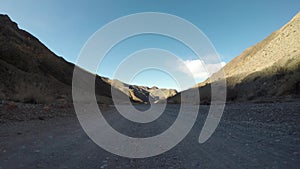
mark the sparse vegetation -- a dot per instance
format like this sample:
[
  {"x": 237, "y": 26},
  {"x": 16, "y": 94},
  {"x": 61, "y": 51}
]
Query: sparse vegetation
[{"x": 267, "y": 70}]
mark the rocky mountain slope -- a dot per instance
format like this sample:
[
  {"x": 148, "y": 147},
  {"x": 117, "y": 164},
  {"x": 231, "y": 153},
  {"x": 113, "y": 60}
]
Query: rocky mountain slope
[
  {"x": 142, "y": 93},
  {"x": 267, "y": 70},
  {"x": 30, "y": 72}
]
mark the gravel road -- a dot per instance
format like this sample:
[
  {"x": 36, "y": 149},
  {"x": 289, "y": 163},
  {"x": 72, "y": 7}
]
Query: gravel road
[{"x": 248, "y": 136}]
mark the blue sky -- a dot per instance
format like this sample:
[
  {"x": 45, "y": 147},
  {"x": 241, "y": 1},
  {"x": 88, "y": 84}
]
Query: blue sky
[{"x": 231, "y": 25}]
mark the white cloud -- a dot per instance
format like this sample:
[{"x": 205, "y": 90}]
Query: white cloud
[{"x": 199, "y": 69}]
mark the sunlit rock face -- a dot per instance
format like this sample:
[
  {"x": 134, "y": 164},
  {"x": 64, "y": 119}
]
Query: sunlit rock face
[{"x": 269, "y": 70}]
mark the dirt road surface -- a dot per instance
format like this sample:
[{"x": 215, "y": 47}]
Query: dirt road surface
[{"x": 248, "y": 136}]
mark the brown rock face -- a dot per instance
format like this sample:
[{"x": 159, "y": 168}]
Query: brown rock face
[{"x": 142, "y": 93}]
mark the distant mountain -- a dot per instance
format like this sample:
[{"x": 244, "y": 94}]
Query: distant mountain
[
  {"x": 269, "y": 70},
  {"x": 30, "y": 72},
  {"x": 142, "y": 93}
]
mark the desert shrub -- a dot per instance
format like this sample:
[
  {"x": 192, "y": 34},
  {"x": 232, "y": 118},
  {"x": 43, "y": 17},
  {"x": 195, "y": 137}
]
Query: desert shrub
[
  {"x": 280, "y": 70},
  {"x": 10, "y": 106},
  {"x": 30, "y": 94}
]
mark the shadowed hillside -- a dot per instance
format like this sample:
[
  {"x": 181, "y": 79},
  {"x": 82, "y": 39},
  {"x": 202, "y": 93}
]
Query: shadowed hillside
[{"x": 31, "y": 73}]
